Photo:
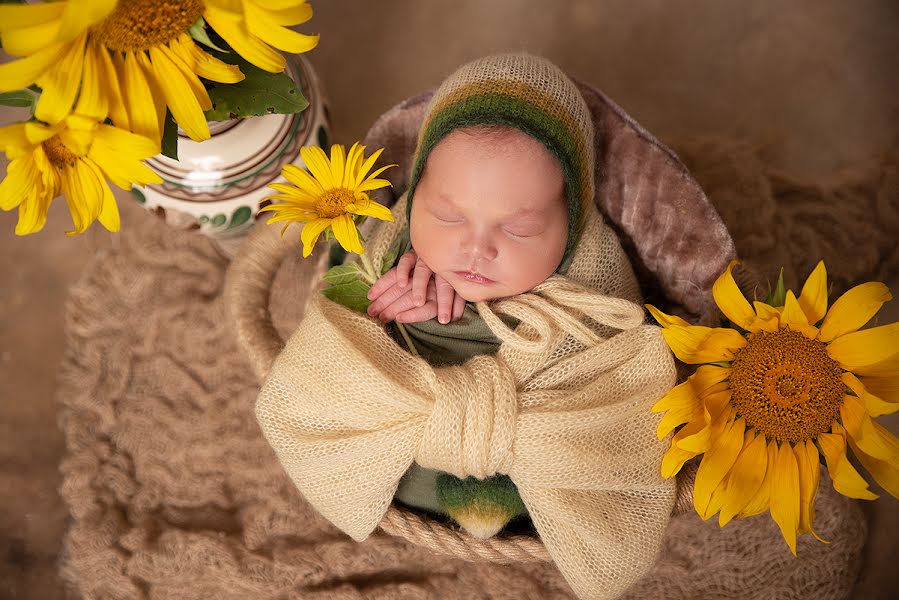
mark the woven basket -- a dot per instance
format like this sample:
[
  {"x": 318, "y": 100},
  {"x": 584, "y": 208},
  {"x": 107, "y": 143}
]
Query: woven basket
[{"x": 640, "y": 183}]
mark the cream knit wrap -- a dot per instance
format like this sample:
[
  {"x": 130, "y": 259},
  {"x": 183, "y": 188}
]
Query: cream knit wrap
[{"x": 563, "y": 409}]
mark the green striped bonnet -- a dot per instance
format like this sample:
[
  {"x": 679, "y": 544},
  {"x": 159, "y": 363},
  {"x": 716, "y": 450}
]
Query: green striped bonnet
[{"x": 530, "y": 94}]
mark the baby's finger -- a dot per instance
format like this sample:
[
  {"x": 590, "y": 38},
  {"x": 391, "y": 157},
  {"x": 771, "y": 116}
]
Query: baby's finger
[
  {"x": 384, "y": 283},
  {"x": 445, "y": 294},
  {"x": 418, "y": 314},
  {"x": 458, "y": 307},
  {"x": 404, "y": 267},
  {"x": 420, "y": 279},
  {"x": 400, "y": 305},
  {"x": 391, "y": 295}
]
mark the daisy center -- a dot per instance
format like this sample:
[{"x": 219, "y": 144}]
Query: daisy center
[
  {"x": 333, "y": 203},
  {"x": 58, "y": 154},
  {"x": 786, "y": 386},
  {"x": 142, "y": 24}
]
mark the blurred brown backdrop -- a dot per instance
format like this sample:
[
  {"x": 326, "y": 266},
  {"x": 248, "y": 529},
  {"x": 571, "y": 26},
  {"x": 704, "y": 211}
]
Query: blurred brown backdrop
[{"x": 816, "y": 82}]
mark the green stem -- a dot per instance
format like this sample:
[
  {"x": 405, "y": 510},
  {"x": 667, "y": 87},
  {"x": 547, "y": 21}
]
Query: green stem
[{"x": 371, "y": 277}]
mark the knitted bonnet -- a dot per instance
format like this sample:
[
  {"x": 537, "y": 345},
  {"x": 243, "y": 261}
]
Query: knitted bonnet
[{"x": 527, "y": 93}]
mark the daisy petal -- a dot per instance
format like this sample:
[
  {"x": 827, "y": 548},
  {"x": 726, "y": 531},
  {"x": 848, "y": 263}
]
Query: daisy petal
[
  {"x": 370, "y": 208},
  {"x": 347, "y": 235},
  {"x": 302, "y": 179},
  {"x": 311, "y": 231},
  {"x": 315, "y": 160},
  {"x": 854, "y": 309},
  {"x": 785, "y": 495}
]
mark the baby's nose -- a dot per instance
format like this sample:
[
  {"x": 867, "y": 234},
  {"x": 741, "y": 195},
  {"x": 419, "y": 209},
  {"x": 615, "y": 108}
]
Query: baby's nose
[{"x": 482, "y": 247}]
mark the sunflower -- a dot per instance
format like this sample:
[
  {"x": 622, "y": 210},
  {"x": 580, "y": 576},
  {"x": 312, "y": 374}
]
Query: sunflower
[
  {"x": 134, "y": 57},
  {"x": 331, "y": 194},
  {"x": 74, "y": 157},
  {"x": 788, "y": 385}
]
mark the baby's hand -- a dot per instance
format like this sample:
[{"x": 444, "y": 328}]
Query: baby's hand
[{"x": 428, "y": 296}]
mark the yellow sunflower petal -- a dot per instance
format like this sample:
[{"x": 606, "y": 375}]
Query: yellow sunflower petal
[
  {"x": 761, "y": 501},
  {"x": 785, "y": 495},
  {"x": 793, "y": 314},
  {"x": 119, "y": 154},
  {"x": 18, "y": 74},
  {"x": 203, "y": 64},
  {"x": 715, "y": 465},
  {"x": 187, "y": 73},
  {"x": 874, "y": 405},
  {"x": 33, "y": 212},
  {"x": 809, "y": 476},
  {"x": 887, "y": 368},
  {"x": 20, "y": 179},
  {"x": 715, "y": 415},
  {"x": 731, "y": 300},
  {"x": 854, "y": 309},
  {"x": 347, "y": 235},
  {"x": 873, "y": 439},
  {"x": 813, "y": 298},
  {"x": 664, "y": 319},
  {"x": 676, "y": 456},
  {"x": 846, "y": 480},
  {"x": 866, "y": 347},
  {"x": 885, "y": 472},
  {"x": 84, "y": 195},
  {"x": 92, "y": 101},
  {"x": 745, "y": 477},
  {"x": 885, "y": 388},
  {"x": 160, "y": 108},
  {"x": 291, "y": 15},
  {"x": 311, "y": 231},
  {"x": 112, "y": 89},
  {"x": 261, "y": 24},
  {"x": 366, "y": 165},
  {"x": 60, "y": 85},
  {"x": 235, "y": 32},
  {"x": 695, "y": 344},
  {"x": 14, "y": 17},
  {"x": 179, "y": 95},
  {"x": 138, "y": 97},
  {"x": 109, "y": 211},
  {"x": 78, "y": 16},
  {"x": 28, "y": 40},
  {"x": 370, "y": 208},
  {"x": 680, "y": 404},
  {"x": 315, "y": 160}
]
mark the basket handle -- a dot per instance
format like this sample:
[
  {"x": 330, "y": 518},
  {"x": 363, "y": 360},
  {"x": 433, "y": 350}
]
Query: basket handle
[{"x": 247, "y": 293}]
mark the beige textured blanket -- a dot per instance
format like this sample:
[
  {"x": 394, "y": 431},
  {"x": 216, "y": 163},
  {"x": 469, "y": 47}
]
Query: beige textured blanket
[
  {"x": 563, "y": 408},
  {"x": 174, "y": 493}
]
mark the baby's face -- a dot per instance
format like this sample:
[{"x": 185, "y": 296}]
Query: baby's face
[{"x": 490, "y": 214}]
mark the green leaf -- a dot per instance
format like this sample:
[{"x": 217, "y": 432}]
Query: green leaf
[
  {"x": 198, "y": 32},
  {"x": 353, "y": 295},
  {"x": 390, "y": 257},
  {"x": 778, "y": 296},
  {"x": 18, "y": 98},
  {"x": 343, "y": 274},
  {"x": 260, "y": 93},
  {"x": 170, "y": 137}
]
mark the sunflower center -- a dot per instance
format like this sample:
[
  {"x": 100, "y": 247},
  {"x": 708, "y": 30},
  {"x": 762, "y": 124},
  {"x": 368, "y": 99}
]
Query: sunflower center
[
  {"x": 58, "y": 154},
  {"x": 333, "y": 203},
  {"x": 141, "y": 24},
  {"x": 786, "y": 386}
]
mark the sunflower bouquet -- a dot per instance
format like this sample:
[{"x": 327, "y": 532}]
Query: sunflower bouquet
[
  {"x": 779, "y": 392},
  {"x": 108, "y": 83}
]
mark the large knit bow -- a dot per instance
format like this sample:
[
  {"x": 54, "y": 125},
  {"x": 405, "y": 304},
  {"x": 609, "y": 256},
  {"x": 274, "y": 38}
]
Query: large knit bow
[{"x": 563, "y": 409}]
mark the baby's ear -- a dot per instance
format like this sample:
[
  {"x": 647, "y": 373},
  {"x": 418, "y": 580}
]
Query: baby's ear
[{"x": 675, "y": 238}]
